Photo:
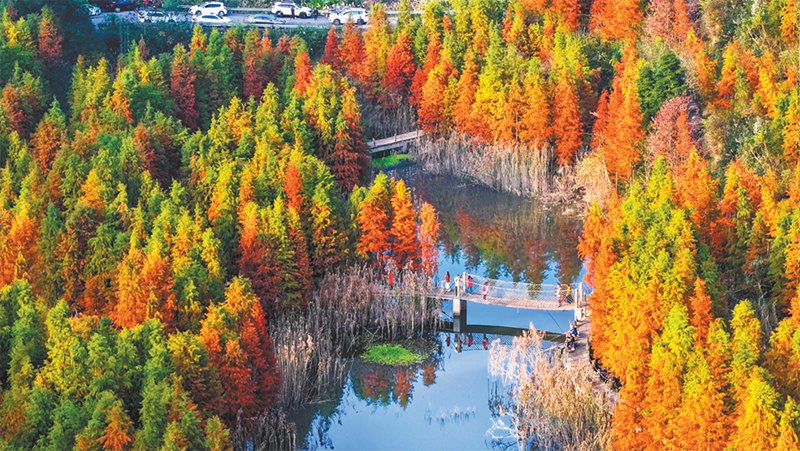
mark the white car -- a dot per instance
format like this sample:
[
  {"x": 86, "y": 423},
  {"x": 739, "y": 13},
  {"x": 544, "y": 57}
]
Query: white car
[
  {"x": 209, "y": 9},
  {"x": 289, "y": 9},
  {"x": 356, "y": 15},
  {"x": 210, "y": 20}
]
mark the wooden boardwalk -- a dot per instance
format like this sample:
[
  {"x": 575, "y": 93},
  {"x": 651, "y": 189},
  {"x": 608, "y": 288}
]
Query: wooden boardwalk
[{"x": 400, "y": 141}]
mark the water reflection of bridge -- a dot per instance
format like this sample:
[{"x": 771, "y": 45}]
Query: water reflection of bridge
[{"x": 467, "y": 337}]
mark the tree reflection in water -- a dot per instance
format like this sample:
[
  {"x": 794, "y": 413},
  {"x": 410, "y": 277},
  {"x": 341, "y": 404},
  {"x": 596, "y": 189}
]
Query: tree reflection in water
[
  {"x": 382, "y": 388},
  {"x": 511, "y": 237}
]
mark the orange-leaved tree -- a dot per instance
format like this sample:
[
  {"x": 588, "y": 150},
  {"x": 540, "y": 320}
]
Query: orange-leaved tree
[
  {"x": 567, "y": 126},
  {"x": 373, "y": 221},
  {"x": 621, "y": 139},
  {"x": 400, "y": 68},
  {"x": 405, "y": 247}
]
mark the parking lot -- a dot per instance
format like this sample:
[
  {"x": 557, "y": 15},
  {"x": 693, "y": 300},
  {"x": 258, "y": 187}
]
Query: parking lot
[{"x": 237, "y": 18}]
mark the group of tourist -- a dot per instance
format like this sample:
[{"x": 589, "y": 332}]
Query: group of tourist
[
  {"x": 572, "y": 336},
  {"x": 464, "y": 285},
  {"x": 564, "y": 294}
]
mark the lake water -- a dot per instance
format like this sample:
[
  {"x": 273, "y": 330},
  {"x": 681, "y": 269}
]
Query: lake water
[{"x": 450, "y": 401}]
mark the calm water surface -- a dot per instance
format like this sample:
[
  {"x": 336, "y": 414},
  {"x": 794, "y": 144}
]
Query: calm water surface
[{"x": 449, "y": 401}]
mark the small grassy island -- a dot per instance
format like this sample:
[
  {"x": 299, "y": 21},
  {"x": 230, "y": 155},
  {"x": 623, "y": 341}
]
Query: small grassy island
[
  {"x": 391, "y": 161},
  {"x": 392, "y": 354}
]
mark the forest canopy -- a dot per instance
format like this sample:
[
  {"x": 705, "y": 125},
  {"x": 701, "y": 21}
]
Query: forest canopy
[{"x": 160, "y": 205}]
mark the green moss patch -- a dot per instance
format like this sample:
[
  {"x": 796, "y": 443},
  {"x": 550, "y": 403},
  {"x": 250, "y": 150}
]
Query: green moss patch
[
  {"x": 388, "y": 354},
  {"x": 390, "y": 161}
]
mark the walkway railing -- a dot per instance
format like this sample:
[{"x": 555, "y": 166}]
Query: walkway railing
[
  {"x": 517, "y": 293},
  {"x": 377, "y": 145},
  {"x": 512, "y": 294}
]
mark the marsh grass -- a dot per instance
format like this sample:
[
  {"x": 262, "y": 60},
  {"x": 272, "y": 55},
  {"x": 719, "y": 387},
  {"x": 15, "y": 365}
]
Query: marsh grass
[
  {"x": 380, "y": 122},
  {"x": 273, "y": 431},
  {"x": 551, "y": 405},
  {"x": 350, "y": 309},
  {"x": 517, "y": 169}
]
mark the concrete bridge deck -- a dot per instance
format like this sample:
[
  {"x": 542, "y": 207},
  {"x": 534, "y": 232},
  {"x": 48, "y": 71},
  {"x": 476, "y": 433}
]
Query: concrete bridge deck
[{"x": 521, "y": 303}]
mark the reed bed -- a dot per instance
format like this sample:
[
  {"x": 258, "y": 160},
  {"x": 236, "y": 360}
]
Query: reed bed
[
  {"x": 552, "y": 406},
  {"x": 380, "y": 122},
  {"x": 273, "y": 431},
  {"x": 350, "y": 309},
  {"x": 517, "y": 169}
]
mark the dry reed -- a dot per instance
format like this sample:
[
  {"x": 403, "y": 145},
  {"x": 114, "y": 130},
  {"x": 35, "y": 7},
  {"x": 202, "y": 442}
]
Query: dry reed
[
  {"x": 380, "y": 122},
  {"x": 272, "y": 431},
  {"x": 592, "y": 178},
  {"x": 552, "y": 405},
  {"x": 350, "y": 308},
  {"x": 517, "y": 169}
]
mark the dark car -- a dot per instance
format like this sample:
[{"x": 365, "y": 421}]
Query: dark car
[{"x": 117, "y": 5}]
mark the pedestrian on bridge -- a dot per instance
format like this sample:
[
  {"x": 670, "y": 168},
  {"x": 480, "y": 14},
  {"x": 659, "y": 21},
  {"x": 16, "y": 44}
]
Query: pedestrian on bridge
[
  {"x": 485, "y": 289},
  {"x": 447, "y": 282},
  {"x": 469, "y": 284}
]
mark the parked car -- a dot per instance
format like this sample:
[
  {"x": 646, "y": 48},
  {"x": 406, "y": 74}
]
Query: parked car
[
  {"x": 357, "y": 15},
  {"x": 209, "y": 8},
  {"x": 156, "y": 16},
  {"x": 264, "y": 19},
  {"x": 289, "y": 9},
  {"x": 91, "y": 9},
  {"x": 211, "y": 20},
  {"x": 116, "y": 5}
]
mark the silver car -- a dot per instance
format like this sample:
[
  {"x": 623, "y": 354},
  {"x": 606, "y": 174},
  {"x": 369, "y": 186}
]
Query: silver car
[
  {"x": 264, "y": 19},
  {"x": 210, "y": 20},
  {"x": 154, "y": 16}
]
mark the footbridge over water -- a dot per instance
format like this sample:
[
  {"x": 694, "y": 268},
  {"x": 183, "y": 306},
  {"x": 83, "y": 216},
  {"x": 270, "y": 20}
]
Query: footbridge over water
[
  {"x": 385, "y": 146},
  {"x": 518, "y": 295},
  {"x": 512, "y": 294}
]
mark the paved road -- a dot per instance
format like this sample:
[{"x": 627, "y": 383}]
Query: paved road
[{"x": 236, "y": 19}]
